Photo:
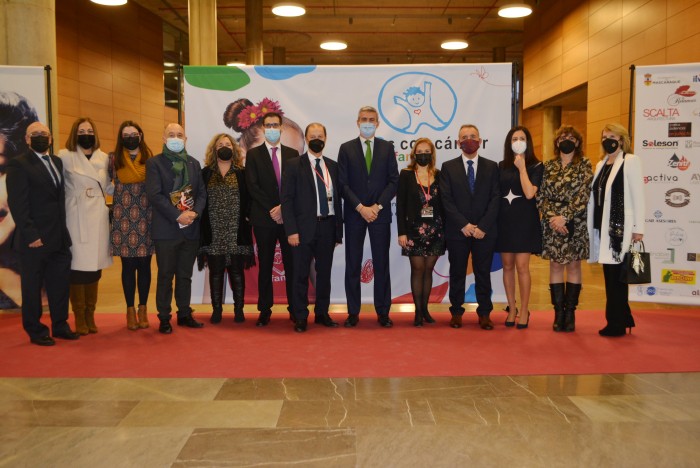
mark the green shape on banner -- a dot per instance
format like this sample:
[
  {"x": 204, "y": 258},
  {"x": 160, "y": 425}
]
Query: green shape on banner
[{"x": 216, "y": 78}]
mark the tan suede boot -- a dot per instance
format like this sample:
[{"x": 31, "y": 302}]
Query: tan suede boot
[
  {"x": 131, "y": 323},
  {"x": 77, "y": 302},
  {"x": 90, "y": 304},
  {"x": 143, "y": 316}
]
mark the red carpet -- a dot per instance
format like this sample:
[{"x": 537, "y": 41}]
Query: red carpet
[{"x": 664, "y": 341}]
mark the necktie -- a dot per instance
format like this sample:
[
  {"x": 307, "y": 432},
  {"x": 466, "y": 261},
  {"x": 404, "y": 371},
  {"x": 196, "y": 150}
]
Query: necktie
[
  {"x": 276, "y": 167},
  {"x": 470, "y": 176},
  {"x": 368, "y": 155},
  {"x": 322, "y": 197},
  {"x": 54, "y": 176}
]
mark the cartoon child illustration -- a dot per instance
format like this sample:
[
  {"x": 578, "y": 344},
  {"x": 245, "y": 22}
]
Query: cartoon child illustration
[{"x": 418, "y": 103}]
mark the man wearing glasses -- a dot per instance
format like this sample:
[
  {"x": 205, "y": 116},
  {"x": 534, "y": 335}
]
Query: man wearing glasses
[
  {"x": 265, "y": 166},
  {"x": 36, "y": 197}
]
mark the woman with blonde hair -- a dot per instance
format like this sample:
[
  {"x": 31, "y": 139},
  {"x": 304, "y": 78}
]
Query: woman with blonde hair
[
  {"x": 615, "y": 220},
  {"x": 226, "y": 236}
]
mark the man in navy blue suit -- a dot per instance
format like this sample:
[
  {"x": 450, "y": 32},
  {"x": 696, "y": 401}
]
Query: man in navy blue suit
[
  {"x": 313, "y": 221},
  {"x": 470, "y": 196},
  {"x": 368, "y": 178}
]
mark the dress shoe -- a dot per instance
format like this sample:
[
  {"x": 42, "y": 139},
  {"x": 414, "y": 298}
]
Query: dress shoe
[
  {"x": 325, "y": 320},
  {"x": 520, "y": 326},
  {"x": 188, "y": 321},
  {"x": 300, "y": 326},
  {"x": 456, "y": 321},
  {"x": 352, "y": 320},
  {"x": 612, "y": 331},
  {"x": 238, "y": 316},
  {"x": 385, "y": 321},
  {"x": 43, "y": 341},
  {"x": 512, "y": 324},
  {"x": 263, "y": 319},
  {"x": 165, "y": 327},
  {"x": 66, "y": 335},
  {"x": 485, "y": 322},
  {"x": 215, "y": 317}
]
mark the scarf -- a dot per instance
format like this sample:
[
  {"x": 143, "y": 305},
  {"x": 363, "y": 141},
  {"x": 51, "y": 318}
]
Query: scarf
[
  {"x": 617, "y": 212},
  {"x": 179, "y": 161},
  {"x": 133, "y": 171}
]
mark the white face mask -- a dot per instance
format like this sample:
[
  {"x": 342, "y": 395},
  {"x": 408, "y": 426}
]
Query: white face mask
[
  {"x": 519, "y": 146},
  {"x": 175, "y": 144}
]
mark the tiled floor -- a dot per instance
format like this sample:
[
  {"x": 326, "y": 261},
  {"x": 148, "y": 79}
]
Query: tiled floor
[{"x": 590, "y": 420}]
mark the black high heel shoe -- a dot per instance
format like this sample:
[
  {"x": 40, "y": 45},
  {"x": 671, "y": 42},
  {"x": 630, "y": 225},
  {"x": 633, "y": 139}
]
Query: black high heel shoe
[
  {"x": 427, "y": 318},
  {"x": 520, "y": 326},
  {"x": 512, "y": 324}
]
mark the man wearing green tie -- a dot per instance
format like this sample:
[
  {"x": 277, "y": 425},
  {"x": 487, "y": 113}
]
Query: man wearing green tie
[{"x": 369, "y": 177}]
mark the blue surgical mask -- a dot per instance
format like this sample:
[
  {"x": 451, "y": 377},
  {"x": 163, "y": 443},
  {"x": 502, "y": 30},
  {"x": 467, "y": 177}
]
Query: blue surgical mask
[
  {"x": 367, "y": 129},
  {"x": 175, "y": 144},
  {"x": 272, "y": 135}
]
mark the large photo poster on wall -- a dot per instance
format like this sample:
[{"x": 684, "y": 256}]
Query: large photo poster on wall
[
  {"x": 413, "y": 101},
  {"x": 667, "y": 138}
]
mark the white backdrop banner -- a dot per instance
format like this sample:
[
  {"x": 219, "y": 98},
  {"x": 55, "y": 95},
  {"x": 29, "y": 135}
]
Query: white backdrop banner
[
  {"x": 667, "y": 121},
  {"x": 413, "y": 101}
]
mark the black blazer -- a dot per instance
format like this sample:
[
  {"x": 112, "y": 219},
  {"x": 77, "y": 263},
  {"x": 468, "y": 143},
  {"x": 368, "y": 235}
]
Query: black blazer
[
  {"x": 300, "y": 203},
  {"x": 461, "y": 206},
  {"x": 159, "y": 183},
  {"x": 244, "y": 236},
  {"x": 358, "y": 187},
  {"x": 262, "y": 183},
  {"x": 37, "y": 205},
  {"x": 408, "y": 201}
]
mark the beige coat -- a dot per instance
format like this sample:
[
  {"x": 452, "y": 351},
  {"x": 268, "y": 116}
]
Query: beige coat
[
  {"x": 634, "y": 209},
  {"x": 87, "y": 215}
]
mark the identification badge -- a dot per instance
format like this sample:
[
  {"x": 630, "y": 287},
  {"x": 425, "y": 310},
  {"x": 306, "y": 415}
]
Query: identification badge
[
  {"x": 426, "y": 212},
  {"x": 329, "y": 196}
]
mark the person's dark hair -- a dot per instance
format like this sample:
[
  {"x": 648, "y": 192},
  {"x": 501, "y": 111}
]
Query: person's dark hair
[
  {"x": 566, "y": 130},
  {"x": 272, "y": 114},
  {"x": 315, "y": 124},
  {"x": 144, "y": 151},
  {"x": 509, "y": 156},
  {"x": 16, "y": 114},
  {"x": 72, "y": 141}
]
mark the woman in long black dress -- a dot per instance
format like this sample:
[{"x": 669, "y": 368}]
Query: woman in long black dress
[
  {"x": 420, "y": 223},
  {"x": 519, "y": 231}
]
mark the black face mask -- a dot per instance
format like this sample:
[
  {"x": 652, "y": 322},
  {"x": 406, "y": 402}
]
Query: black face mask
[
  {"x": 224, "y": 153},
  {"x": 86, "y": 141},
  {"x": 610, "y": 145},
  {"x": 317, "y": 145},
  {"x": 566, "y": 146},
  {"x": 423, "y": 159},
  {"x": 131, "y": 143},
  {"x": 39, "y": 143}
]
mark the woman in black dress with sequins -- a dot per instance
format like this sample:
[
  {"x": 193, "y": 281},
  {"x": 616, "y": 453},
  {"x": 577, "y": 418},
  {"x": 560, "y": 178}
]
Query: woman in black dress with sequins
[{"x": 420, "y": 223}]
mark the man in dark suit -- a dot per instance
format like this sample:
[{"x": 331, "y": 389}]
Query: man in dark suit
[
  {"x": 175, "y": 225},
  {"x": 36, "y": 198},
  {"x": 470, "y": 197},
  {"x": 265, "y": 168},
  {"x": 313, "y": 221},
  {"x": 368, "y": 178}
]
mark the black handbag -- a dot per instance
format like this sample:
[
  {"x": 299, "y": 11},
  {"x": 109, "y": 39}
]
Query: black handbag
[{"x": 636, "y": 266}]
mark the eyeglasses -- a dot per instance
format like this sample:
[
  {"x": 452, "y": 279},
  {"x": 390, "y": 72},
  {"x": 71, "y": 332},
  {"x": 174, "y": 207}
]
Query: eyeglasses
[
  {"x": 36, "y": 134},
  {"x": 271, "y": 125}
]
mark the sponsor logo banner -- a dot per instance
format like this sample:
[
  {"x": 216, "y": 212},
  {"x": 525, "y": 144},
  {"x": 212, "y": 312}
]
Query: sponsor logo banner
[{"x": 678, "y": 276}]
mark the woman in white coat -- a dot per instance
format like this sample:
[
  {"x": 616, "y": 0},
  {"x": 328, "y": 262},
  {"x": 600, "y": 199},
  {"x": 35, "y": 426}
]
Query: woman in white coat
[
  {"x": 615, "y": 220},
  {"x": 85, "y": 171}
]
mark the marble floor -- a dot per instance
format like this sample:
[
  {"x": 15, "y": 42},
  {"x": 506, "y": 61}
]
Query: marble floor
[{"x": 641, "y": 420}]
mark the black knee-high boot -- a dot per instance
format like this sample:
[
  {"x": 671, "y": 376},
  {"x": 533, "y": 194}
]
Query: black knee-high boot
[
  {"x": 556, "y": 291},
  {"x": 236, "y": 279},
  {"x": 217, "y": 267},
  {"x": 572, "y": 293}
]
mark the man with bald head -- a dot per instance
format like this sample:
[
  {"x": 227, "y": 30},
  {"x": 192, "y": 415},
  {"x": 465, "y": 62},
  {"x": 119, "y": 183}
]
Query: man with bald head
[
  {"x": 36, "y": 197},
  {"x": 176, "y": 191}
]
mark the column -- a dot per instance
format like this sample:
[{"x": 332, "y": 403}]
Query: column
[
  {"x": 202, "y": 32},
  {"x": 254, "y": 32},
  {"x": 499, "y": 55},
  {"x": 279, "y": 55},
  {"x": 551, "y": 121}
]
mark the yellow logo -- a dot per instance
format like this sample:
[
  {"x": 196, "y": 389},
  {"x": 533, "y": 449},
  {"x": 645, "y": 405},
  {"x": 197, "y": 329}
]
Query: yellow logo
[{"x": 678, "y": 276}]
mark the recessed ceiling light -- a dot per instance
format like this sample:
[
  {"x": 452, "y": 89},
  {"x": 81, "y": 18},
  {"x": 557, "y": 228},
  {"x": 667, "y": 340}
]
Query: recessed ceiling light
[
  {"x": 288, "y": 9},
  {"x": 235, "y": 64},
  {"x": 515, "y": 10},
  {"x": 109, "y": 2},
  {"x": 334, "y": 45},
  {"x": 454, "y": 44},
  {"x": 169, "y": 64}
]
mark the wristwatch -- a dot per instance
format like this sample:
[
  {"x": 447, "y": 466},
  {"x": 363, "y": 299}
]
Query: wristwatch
[{"x": 380, "y": 207}]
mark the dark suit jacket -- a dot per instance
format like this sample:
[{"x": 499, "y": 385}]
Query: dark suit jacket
[
  {"x": 244, "y": 236},
  {"x": 461, "y": 206},
  {"x": 37, "y": 205},
  {"x": 159, "y": 183},
  {"x": 299, "y": 200},
  {"x": 359, "y": 187},
  {"x": 408, "y": 202},
  {"x": 262, "y": 183}
]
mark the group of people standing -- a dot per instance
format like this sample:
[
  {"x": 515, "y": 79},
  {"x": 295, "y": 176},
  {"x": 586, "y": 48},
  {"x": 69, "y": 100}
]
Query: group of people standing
[{"x": 169, "y": 205}]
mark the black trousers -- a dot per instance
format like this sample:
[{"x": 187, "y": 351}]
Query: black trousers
[
  {"x": 320, "y": 248},
  {"x": 39, "y": 268},
  {"x": 481, "y": 251},
  {"x": 617, "y": 306},
  {"x": 175, "y": 259},
  {"x": 267, "y": 238}
]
